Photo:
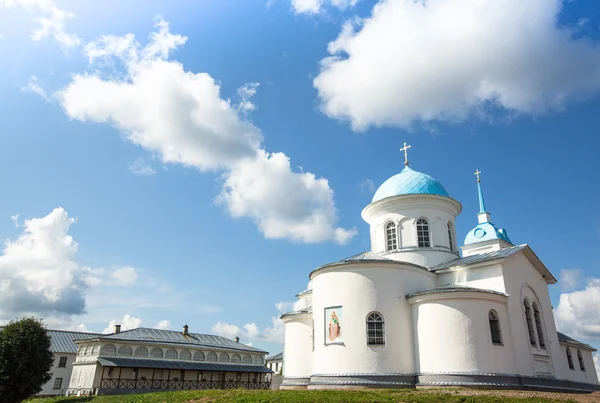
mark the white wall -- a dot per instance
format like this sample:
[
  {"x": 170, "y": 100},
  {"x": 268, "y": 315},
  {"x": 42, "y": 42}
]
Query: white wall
[
  {"x": 85, "y": 376},
  {"x": 453, "y": 335},
  {"x": 361, "y": 289},
  {"x": 576, "y": 374},
  {"x": 57, "y": 372},
  {"x": 487, "y": 277},
  {"x": 298, "y": 346}
]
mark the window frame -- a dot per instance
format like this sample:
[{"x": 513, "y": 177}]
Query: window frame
[
  {"x": 393, "y": 227},
  {"x": 62, "y": 362},
  {"x": 570, "y": 359},
  {"x": 59, "y": 381},
  {"x": 450, "y": 227},
  {"x": 580, "y": 359},
  {"x": 538, "y": 325},
  {"x": 373, "y": 338},
  {"x": 494, "y": 320},
  {"x": 529, "y": 323},
  {"x": 426, "y": 243}
]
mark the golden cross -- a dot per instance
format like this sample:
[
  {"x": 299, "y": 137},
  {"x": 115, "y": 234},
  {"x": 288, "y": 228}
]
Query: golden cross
[
  {"x": 477, "y": 173},
  {"x": 405, "y": 148}
]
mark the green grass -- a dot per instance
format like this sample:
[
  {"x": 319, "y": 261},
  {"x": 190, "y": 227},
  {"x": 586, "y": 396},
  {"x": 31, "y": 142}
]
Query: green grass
[{"x": 303, "y": 396}]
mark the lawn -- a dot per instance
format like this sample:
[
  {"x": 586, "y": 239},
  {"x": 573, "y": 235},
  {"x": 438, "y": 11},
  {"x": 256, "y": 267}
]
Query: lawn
[{"x": 327, "y": 396}]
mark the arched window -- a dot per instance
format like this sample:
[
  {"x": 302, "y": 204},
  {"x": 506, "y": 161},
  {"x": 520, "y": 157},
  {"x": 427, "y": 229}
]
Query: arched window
[
  {"x": 450, "y": 239},
  {"x": 141, "y": 352},
  {"x": 108, "y": 350},
  {"x": 423, "y": 233},
  {"x": 538, "y": 325},
  {"x": 156, "y": 353},
  {"x": 529, "y": 324},
  {"x": 211, "y": 357},
  {"x": 80, "y": 350},
  {"x": 95, "y": 349},
  {"x": 258, "y": 360},
  {"x": 199, "y": 356},
  {"x": 87, "y": 350},
  {"x": 236, "y": 359},
  {"x": 224, "y": 357},
  {"x": 171, "y": 354},
  {"x": 495, "y": 327},
  {"x": 125, "y": 351},
  {"x": 580, "y": 358},
  {"x": 185, "y": 355},
  {"x": 391, "y": 236},
  {"x": 246, "y": 359},
  {"x": 375, "y": 331},
  {"x": 570, "y": 358}
]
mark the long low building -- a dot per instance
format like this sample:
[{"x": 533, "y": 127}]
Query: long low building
[{"x": 142, "y": 360}]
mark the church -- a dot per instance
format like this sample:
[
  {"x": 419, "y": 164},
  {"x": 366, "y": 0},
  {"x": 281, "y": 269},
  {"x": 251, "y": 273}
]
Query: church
[{"x": 415, "y": 312}]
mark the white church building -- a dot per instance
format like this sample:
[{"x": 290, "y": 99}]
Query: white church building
[{"x": 413, "y": 312}]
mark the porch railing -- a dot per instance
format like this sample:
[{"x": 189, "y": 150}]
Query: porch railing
[{"x": 180, "y": 385}]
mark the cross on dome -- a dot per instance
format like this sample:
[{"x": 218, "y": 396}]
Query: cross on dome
[
  {"x": 405, "y": 149},
  {"x": 477, "y": 173}
]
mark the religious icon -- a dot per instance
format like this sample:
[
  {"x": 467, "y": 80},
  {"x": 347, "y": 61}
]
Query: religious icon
[{"x": 333, "y": 325}]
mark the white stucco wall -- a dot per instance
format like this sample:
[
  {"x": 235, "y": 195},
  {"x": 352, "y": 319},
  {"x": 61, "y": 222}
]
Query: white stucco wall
[
  {"x": 577, "y": 374},
  {"x": 361, "y": 289},
  {"x": 452, "y": 334},
  {"x": 489, "y": 277},
  {"x": 85, "y": 376},
  {"x": 298, "y": 346},
  {"x": 58, "y": 372}
]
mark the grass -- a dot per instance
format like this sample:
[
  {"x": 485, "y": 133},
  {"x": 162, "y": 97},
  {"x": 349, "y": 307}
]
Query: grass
[{"x": 305, "y": 396}]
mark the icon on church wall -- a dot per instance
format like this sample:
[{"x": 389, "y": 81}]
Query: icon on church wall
[{"x": 333, "y": 325}]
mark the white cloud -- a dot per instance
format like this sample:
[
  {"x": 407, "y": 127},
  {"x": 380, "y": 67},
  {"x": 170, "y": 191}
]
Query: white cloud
[
  {"x": 316, "y": 6},
  {"x": 180, "y": 117},
  {"x": 444, "y": 60},
  {"x": 570, "y": 279},
  {"x": 15, "y": 219},
  {"x": 141, "y": 167},
  {"x": 226, "y": 329},
  {"x": 163, "y": 324},
  {"x": 577, "y": 312},
  {"x": 367, "y": 186},
  {"x": 125, "y": 275},
  {"x": 50, "y": 19},
  {"x": 38, "y": 273},
  {"x": 128, "y": 322},
  {"x": 35, "y": 87}
]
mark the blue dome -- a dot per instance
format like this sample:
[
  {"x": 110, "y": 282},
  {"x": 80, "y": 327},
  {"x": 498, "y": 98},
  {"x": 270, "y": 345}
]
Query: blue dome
[
  {"x": 409, "y": 182},
  {"x": 485, "y": 232}
]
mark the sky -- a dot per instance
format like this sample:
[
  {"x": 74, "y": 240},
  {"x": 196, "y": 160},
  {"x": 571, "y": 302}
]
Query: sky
[{"x": 167, "y": 164}]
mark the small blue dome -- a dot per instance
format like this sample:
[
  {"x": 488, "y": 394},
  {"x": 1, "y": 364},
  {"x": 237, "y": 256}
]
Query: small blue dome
[
  {"x": 485, "y": 232},
  {"x": 409, "y": 182}
]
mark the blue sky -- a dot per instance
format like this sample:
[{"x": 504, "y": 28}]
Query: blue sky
[{"x": 154, "y": 240}]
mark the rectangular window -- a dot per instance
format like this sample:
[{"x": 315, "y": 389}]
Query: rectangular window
[
  {"x": 58, "y": 383},
  {"x": 63, "y": 362}
]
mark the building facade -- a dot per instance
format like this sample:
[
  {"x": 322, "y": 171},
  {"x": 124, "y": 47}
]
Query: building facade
[
  {"x": 413, "y": 312},
  {"x": 275, "y": 362},
  {"x": 143, "y": 360}
]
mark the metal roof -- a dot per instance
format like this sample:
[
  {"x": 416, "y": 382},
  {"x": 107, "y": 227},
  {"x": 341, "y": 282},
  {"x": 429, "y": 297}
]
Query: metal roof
[
  {"x": 300, "y": 312},
  {"x": 173, "y": 364},
  {"x": 275, "y": 357},
  {"x": 568, "y": 339},
  {"x": 409, "y": 182},
  {"x": 143, "y": 334},
  {"x": 62, "y": 340},
  {"x": 454, "y": 288},
  {"x": 469, "y": 260}
]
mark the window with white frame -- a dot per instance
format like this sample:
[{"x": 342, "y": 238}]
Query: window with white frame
[
  {"x": 199, "y": 356},
  {"x": 423, "y": 233},
  {"x": 156, "y": 352},
  {"x": 211, "y": 357},
  {"x": 391, "y": 236},
  {"x": 580, "y": 358},
  {"x": 236, "y": 359},
  {"x": 450, "y": 238},
  {"x": 246, "y": 359},
  {"x": 125, "y": 351},
  {"x": 375, "y": 329},
  {"x": 141, "y": 352},
  {"x": 58, "y": 383},
  {"x": 495, "y": 327},
  {"x": 538, "y": 325},
  {"x": 62, "y": 363},
  {"x": 185, "y": 355},
  {"x": 527, "y": 311},
  {"x": 224, "y": 357},
  {"x": 108, "y": 350},
  {"x": 171, "y": 354}
]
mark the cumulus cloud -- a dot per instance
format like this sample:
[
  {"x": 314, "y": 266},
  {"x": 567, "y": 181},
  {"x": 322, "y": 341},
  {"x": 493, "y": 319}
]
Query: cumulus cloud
[
  {"x": 141, "y": 167},
  {"x": 316, "y": 6},
  {"x": 125, "y": 275},
  {"x": 577, "y": 312},
  {"x": 163, "y": 324},
  {"x": 181, "y": 117},
  {"x": 273, "y": 333},
  {"x": 570, "y": 279},
  {"x": 128, "y": 322},
  {"x": 445, "y": 60},
  {"x": 50, "y": 19}
]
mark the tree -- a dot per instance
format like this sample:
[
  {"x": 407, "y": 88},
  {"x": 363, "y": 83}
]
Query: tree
[{"x": 25, "y": 359}]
